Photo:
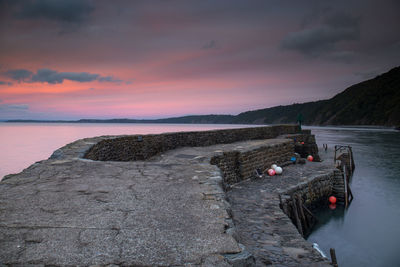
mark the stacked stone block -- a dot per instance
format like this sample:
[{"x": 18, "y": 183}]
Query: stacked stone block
[
  {"x": 307, "y": 196},
  {"x": 314, "y": 191},
  {"x": 135, "y": 147},
  {"x": 305, "y": 144},
  {"x": 238, "y": 166}
]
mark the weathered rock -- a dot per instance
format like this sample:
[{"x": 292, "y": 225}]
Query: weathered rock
[{"x": 242, "y": 259}]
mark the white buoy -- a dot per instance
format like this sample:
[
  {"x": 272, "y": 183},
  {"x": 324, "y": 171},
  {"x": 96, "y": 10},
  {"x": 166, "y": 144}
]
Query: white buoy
[
  {"x": 278, "y": 170},
  {"x": 273, "y": 166}
]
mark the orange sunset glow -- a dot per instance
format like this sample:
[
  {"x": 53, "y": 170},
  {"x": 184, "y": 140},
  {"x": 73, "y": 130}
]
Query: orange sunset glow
[{"x": 129, "y": 59}]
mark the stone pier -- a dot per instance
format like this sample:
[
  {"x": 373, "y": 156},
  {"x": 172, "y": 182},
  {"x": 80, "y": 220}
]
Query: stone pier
[{"x": 165, "y": 204}]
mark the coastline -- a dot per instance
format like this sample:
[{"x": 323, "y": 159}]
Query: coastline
[{"x": 157, "y": 121}]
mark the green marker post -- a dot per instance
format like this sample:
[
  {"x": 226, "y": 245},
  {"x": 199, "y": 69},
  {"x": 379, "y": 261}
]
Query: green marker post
[{"x": 300, "y": 119}]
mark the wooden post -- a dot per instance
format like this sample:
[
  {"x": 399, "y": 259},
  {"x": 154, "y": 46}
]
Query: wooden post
[
  {"x": 312, "y": 220},
  {"x": 296, "y": 216},
  {"x": 346, "y": 196},
  {"x": 303, "y": 217},
  {"x": 333, "y": 257},
  {"x": 334, "y": 157},
  {"x": 285, "y": 207},
  {"x": 350, "y": 161},
  {"x": 308, "y": 211},
  {"x": 350, "y": 193}
]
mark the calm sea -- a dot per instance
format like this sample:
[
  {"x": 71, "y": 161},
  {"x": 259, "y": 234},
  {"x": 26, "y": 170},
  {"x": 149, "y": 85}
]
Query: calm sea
[{"x": 366, "y": 234}]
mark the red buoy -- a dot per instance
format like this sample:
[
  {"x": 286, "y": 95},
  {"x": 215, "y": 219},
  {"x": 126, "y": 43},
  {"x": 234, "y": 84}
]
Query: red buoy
[
  {"x": 332, "y": 199},
  {"x": 310, "y": 158},
  {"x": 271, "y": 172}
]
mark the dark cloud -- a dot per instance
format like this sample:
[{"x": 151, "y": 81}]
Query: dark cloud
[
  {"x": 210, "y": 45},
  {"x": 161, "y": 43},
  {"x": 13, "y": 111},
  {"x": 18, "y": 74},
  {"x": 5, "y": 83},
  {"x": 8, "y": 107},
  {"x": 74, "y": 11},
  {"x": 53, "y": 77},
  {"x": 322, "y": 38},
  {"x": 109, "y": 79}
]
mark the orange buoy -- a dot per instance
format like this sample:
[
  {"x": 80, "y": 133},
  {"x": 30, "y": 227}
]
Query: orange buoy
[
  {"x": 332, "y": 199},
  {"x": 310, "y": 158},
  {"x": 271, "y": 172}
]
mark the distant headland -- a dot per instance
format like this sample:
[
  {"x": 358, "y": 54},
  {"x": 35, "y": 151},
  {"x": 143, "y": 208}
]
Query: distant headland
[{"x": 372, "y": 102}]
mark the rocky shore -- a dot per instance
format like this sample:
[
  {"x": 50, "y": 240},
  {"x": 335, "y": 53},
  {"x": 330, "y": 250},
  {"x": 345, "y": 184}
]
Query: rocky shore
[{"x": 173, "y": 208}]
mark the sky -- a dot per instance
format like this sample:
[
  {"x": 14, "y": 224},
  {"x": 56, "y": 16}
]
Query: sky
[{"x": 73, "y": 59}]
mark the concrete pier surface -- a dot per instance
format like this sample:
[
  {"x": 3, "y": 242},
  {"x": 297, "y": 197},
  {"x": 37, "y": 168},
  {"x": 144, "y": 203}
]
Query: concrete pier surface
[
  {"x": 170, "y": 210},
  {"x": 263, "y": 228}
]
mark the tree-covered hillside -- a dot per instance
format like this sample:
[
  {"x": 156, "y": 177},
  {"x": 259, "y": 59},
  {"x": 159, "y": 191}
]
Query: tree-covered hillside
[{"x": 372, "y": 102}]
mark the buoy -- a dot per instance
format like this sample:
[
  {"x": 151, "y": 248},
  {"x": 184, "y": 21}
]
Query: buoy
[
  {"x": 271, "y": 172},
  {"x": 273, "y": 166},
  {"x": 302, "y": 143},
  {"x": 278, "y": 170},
  {"x": 293, "y": 159},
  {"x": 310, "y": 158},
  {"x": 332, "y": 199},
  {"x": 332, "y": 206}
]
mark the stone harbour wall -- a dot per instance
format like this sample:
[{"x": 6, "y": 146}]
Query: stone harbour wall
[
  {"x": 238, "y": 166},
  {"x": 297, "y": 201},
  {"x": 229, "y": 165},
  {"x": 264, "y": 157},
  {"x": 305, "y": 144},
  {"x": 142, "y": 147},
  {"x": 311, "y": 192}
]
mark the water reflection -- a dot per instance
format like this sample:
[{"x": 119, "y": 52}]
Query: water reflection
[{"x": 326, "y": 214}]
